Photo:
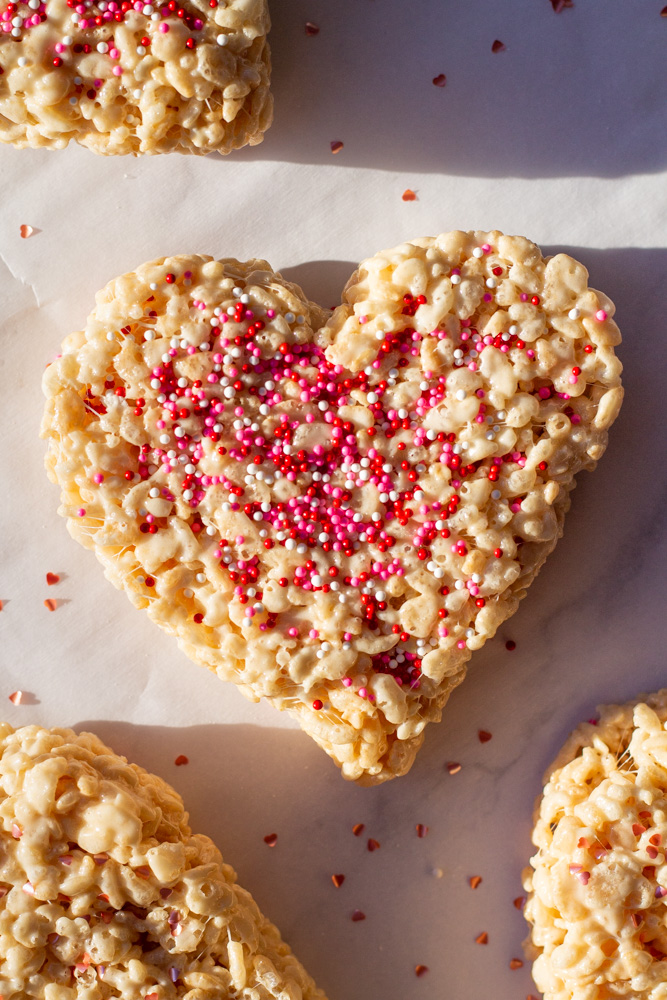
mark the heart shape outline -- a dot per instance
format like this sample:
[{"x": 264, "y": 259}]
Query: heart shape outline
[{"x": 495, "y": 329}]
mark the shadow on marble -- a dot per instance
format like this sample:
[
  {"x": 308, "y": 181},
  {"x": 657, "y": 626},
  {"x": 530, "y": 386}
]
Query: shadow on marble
[{"x": 575, "y": 94}]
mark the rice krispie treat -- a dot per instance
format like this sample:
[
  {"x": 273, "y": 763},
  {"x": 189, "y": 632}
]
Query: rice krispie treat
[
  {"x": 334, "y": 510},
  {"x": 127, "y": 76},
  {"x": 598, "y": 883},
  {"x": 105, "y": 891}
]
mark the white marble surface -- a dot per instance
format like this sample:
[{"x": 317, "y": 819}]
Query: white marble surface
[{"x": 563, "y": 138}]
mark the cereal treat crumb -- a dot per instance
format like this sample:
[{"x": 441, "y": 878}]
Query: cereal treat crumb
[
  {"x": 135, "y": 77},
  {"x": 334, "y": 510},
  {"x": 105, "y": 892},
  {"x": 597, "y": 888}
]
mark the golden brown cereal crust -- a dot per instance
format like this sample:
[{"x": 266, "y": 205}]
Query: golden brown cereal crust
[{"x": 335, "y": 510}]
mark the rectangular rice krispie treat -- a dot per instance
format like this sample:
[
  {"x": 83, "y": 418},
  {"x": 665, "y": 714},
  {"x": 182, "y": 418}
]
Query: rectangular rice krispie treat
[{"x": 127, "y": 76}]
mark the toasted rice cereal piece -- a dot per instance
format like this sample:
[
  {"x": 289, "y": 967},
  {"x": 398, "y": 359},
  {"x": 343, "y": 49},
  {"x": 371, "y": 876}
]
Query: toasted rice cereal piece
[
  {"x": 597, "y": 888},
  {"x": 334, "y": 511},
  {"x": 135, "y": 77},
  {"x": 106, "y": 892}
]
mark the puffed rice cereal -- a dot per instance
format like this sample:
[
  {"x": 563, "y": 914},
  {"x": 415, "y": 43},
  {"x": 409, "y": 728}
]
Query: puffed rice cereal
[
  {"x": 598, "y": 884},
  {"x": 105, "y": 891},
  {"x": 334, "y": 510},
  {"x": 130, "y": 76}
]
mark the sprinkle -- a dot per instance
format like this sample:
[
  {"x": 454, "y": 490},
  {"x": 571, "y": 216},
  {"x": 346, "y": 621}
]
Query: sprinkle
[
  {"x": 17, "y": 832},
  {"x": 453, "y": 767},
  {"x": 440, "y": 81},
  {"x": 271, "y": 839},
  {"x": 16, "y": 697},
  {"x": 358, "y": 915},
  {"x": 663, "y": 12},
  {"x": 26, "y": 232},
  {"x": 601, "y": 315},
  {"x": 484, "y": 736},
  {"x": 373, "y": 845},
  {"x": 52, "y": 578},
  {"x": 338, "y": 880},
  {"x": 510, "y": 645},
  {"x": 358, "y": 829},
  {"x": 660, "y": 891},
  {"x": 482, "y": 938},
  {"x": 312, "y": 29},
  {"x": 421, "y": 970},
  {"x": 475, "y": 880},
  {"x": 516, "y": 963},
  {"x": 336, "y": 146},
  {"x": 498, "y": 46},
  {"x": 318, "y": 705},
  {"x": 559, "y": 5},
  {"x": 50, "y": 604},
  {"x": 409, "y": 195},
  {"x": 421, "y": 830},
  {"x": 519, "y": 902},
  {"x": 181, "y": 760}
]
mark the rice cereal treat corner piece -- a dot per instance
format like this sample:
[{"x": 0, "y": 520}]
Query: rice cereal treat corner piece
[
  {"x": 334, "y": 510},
  {"x": 127, "y": 76},
  {"x": 597, "y": 887},
  {"x": 105, "y": 891}
]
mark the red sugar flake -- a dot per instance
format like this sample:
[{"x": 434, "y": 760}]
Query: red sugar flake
[
  {"x": 16, "y": 697},
  {"x": 338, "y": 880},
  {"x": 358, "y": 829},
  {"x": 516, "y": 963},
  {"x": 484, "y": 736},
  {"x": 559, "y": 5},
  {"x": 26, "y": 232},
  {"x": 519, "y": 902},
  {"x": 475, "y": 880},
  {"x": 358, "y": 915},
  {"x": 52, "y": 579},
  {"x": 181, "y": 760},
  {"x": 198, "y": 618},
  {"x": 336, "y": 146},
  {"x": 271, "y": 839},
  {"x": 510, "y": 645},
  {"x": 373, "y": 845},
  {"x": 421, "y": 970},
  {"x": 453, "y": 767},
  {"x": 312, "y": 29},
  {"x": 409, "y": 195},
  {"x": 421, "y": 830},
  {"x": 498, "y": 46},
  {"x": 50, "y": 604},
  {"x": 663, "y": 12},
  {"x": 1, "y": 605},
  {"x": 482, "y": 938},
  {"x": 440, "y": 81}
]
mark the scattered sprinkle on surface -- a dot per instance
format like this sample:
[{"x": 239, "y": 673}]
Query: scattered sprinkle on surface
[
  {"x": 516, "y": 963},
  {"x": 409, "y": 195},
  {"x": 484, "y": 736},
  {"x": 358, "y": 915},
  {"x": 16, "y": 697},
  {"x": 421, "y": 830},
  {"x": 181, "y": 760},
  {"x": 440, "y": 80},
  {"x": 338, "y": 880},
  {"x": 519, "y": 902},
  {"x": 358, "y": 829},
  {"x": 453, "y": 767},
  {"x": 336, "y": 146},
  {"x": 498, "y": 46},
  {"x": 312, "y": 29},
  {"x": 373, "y": 845},
  {"x": 26, "y": 232},
  {"x": 510, "y": 645},
  {"x": 271, "y": 839},
  {"x": 50, "y": 604},
  {"x": 482, "y": 938},
  {"x": 475, "y": 880},
  {"x": 52, "y": 579},
  {"x": 559, "y": 5},
  {"x": 421, "y": 970}
]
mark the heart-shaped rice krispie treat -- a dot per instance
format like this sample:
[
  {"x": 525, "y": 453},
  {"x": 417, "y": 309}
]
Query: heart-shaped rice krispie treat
[
  {"x": 334, "y": 510},
  {"x": 598, "y": 883},
  {"x": 127, "y": 76},
  {"x": 105, "y": 891}
]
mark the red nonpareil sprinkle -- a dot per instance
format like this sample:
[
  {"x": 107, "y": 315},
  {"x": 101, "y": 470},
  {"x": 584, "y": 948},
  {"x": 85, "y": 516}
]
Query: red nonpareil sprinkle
[
  {"x": 358, "y": 829},
  {"x": 510, "y": 645},
  {"x": 475, "y": 880},
  {"x": 312, "y": 29},
  {"x": 453, "y": 767},
  {"x": 516, "y": 963},
  {"x": 440, "y": 81},
  {"x": 181, "y": 760},
  {"x": 519, "y": 902},
  {"x": 358, "y": 915},
  {"x": 482, "y": 938},
  {"x": 52, "y": 579},
  {"x": 271, "y": 839},
  {"x": 421, "y": 830},
  {"x": 484, "y": 736},
  {"x": 421, "y": 970},
  {"x": 170, "y": 278},
  {"x": 317, "y": 705},
  {"x": 338, "y": 880},
  {"x": 51, "y": 604},
  {"x": 26, "y": 232},
  {"x": 498, "y": 46},
  {"x": 198, "y": 618},
  {"x": 409, "y": 195},
  {"x": 16, "y": 697},
  {"x": 336, "y": 146},
  {"x": 373, "y": 845}
]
